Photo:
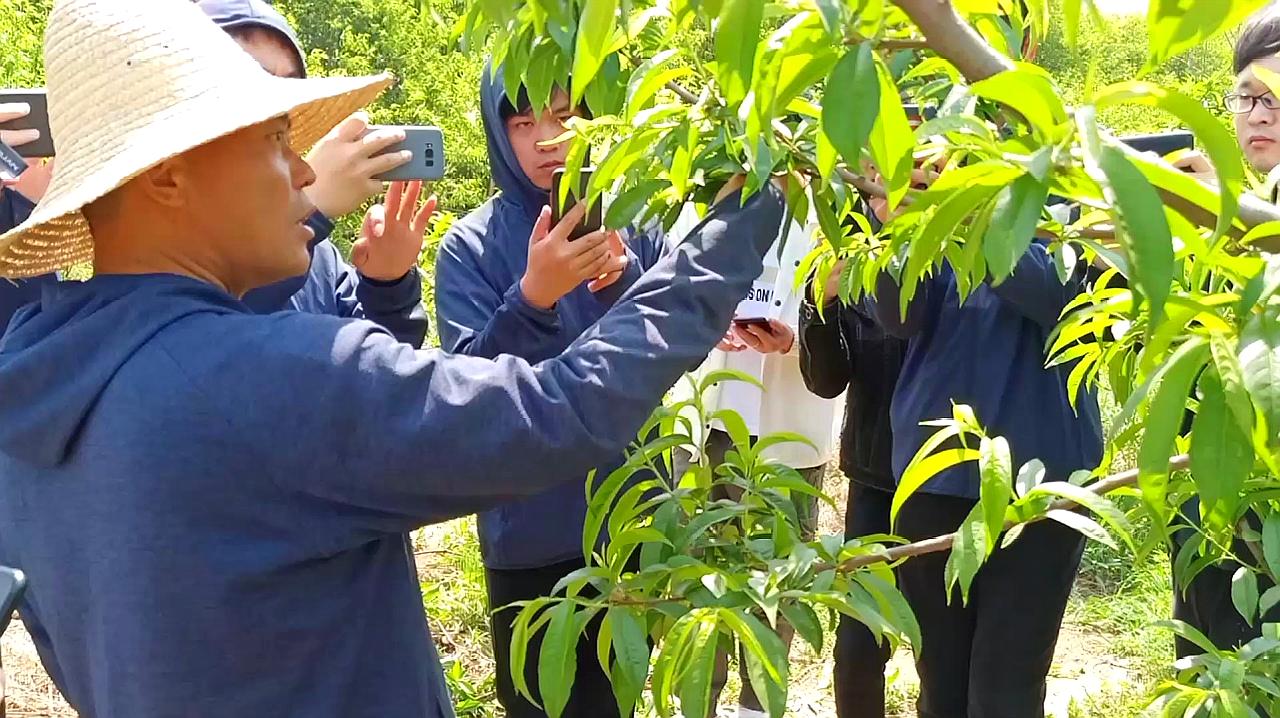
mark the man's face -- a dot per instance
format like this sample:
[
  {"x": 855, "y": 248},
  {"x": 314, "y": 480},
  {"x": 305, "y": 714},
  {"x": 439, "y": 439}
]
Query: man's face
[
  {"x": 274, "y": 53},
  {"x": 528, "y": 131},
  {"x": 1256, "y": 130},
  {"x": 243, "y": 195}
]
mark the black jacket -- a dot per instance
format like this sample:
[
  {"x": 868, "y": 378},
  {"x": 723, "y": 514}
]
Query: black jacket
[{"x": 849, "y": 350}]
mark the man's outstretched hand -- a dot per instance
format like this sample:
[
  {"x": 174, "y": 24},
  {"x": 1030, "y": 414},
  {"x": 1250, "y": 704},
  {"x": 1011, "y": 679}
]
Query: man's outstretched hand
[{"x": 391, "y": 239}]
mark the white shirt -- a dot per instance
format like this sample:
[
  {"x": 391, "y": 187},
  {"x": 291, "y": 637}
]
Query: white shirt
[{"x": 786, "y": 404}]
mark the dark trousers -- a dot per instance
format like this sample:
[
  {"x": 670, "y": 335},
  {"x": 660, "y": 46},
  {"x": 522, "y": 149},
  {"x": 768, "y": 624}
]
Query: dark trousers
[
  {"x": 592, "y": 694},
  {"x": 988, "y": 659},
  {"x": 859, "y": 660}
]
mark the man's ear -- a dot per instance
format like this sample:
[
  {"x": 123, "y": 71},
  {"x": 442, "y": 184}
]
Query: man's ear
[{"x": 165, "y": 184}]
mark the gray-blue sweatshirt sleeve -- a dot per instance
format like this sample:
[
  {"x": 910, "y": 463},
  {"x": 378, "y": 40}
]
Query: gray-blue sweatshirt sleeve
[
  {"x": 398, "y": 438},
  {"x": 476, "y": 319},
  {"x": 395, "y": 306},
  {"x": 1035, "y": 289}
]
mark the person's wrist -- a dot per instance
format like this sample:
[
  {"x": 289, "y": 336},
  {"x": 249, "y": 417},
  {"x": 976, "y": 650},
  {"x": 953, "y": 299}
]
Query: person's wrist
[{"x": 534, "y": 296}]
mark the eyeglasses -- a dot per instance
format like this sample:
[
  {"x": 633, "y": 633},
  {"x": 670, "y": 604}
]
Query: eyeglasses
[{"x": 1244, "y": 104}]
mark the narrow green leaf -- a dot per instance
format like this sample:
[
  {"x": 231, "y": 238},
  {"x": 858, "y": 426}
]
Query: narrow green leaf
[
  {"x": 1269, "y": 600},
  {"x": 624, "y": 208},
  {"x": 1146, "y": 234},
  {"x": 967, "y": 554},
  {"x": 737, "y": 34},
  {"x": 918, "y": 473},
  {"x": 1082, "y": 524},
  {"x": 851, "y": 103},
  {"x": 892, "y": 140},
  {"x": 1259, "y": 356},
  {"x": 996, "y": 469},
  {"x": 1271, "y": 544},
  {"x": 1232, "y": 377},
  {"x": 1173, "y": 27},
  {"x": 1244, "y": 593},
  {"x": 595, "y": 33},
  {"x": 1191, "y": 633},
  {"x": 1221, "y": 456},
  {"x": 695, "y": 684},
  {"x": 1030, "y": 92},
  {"x": 1163, "y": 422},
  {"x": 766, "y": 659},
  {"x": 805, "y": 621},
  {"x": 1017, "y": 213},
  {"x": 1102, "y": 506},
  {"x": 558, "y": 659},
  {"x": 649, "y": 78}
]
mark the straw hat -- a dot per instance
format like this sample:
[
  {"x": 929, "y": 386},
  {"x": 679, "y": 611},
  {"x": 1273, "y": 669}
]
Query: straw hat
[{"x": 134, "y": 82}]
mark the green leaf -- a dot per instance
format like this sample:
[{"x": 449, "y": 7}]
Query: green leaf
[
  {"x": 1013, "y": 225},
  {"x": 967, "y": 554},
  {"x": 1082, "y": 524},
  {"x": 1221, "y": 456},
  {"x": 1232, "y": 378},
  {"x": 628, "y": 204},
  {"x": 1146, "y": 234},
  {"x": 1191, "y": 633},
  {"x": 1030, "y": 475},
  {"x": 558, "y": 658},
  {"x": 1164, "y": 420},
  {"x": 920, "y": 472},
  {"x": 595, "y": 33},
  {"x": 737, "y": 34},
  {"x": 1259, "y": 356},
  {"x": 1030, "y": 92},
  {"x": 805, "y": 621},
  {"x": 1244, "y": 593},
  {"x": 1173, "y": 27},
  {"x": 892, "y": 140},
  {"x": 996, "y": 469},
  {"x": 1099, "y": 505},
  {"x": 650, "y": 77},
  {"x": 766, "y": 658},
  {"x": 695, "y": 684},
  {"x": 1218, "y": 142},
  {"x": 832, "y": 12},
  {"x": 851, "y": 103},
  {"x": 1269, "y": 600},
  {"x": 1271, "y": 543}
]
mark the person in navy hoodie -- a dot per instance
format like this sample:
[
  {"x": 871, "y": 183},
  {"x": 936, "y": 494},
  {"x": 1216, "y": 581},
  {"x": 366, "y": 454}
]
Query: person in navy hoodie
[
  {"x": 498, "y": 294},
  {"x": 385, "y": 285},
  {"x": 210, "y": 503},
  {"x": 15, "y": 207},
  {"x": 990, "y": 658}
]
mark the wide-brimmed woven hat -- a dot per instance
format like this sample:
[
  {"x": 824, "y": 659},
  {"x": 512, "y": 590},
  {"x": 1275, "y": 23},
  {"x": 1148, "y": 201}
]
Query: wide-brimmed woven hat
[{"x": 132, "y": 83}]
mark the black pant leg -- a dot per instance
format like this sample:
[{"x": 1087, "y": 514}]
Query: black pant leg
[
  {"x": 943, "y": 661},
  {"x": 1020, "y": 596},
  {"x": 592, "y": 693},
  {"x": 859, "y": 660}
]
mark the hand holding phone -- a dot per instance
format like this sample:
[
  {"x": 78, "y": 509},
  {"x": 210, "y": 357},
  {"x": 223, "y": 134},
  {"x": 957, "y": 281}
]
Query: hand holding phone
[{"x": 425, "y": 146}]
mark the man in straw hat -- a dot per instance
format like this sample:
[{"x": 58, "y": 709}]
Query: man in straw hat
[{"x": 209, "y": 503}]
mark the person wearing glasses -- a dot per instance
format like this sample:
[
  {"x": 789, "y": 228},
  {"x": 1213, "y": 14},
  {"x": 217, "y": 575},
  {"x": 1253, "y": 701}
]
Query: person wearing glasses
[{"x": 1206, "y": 602}]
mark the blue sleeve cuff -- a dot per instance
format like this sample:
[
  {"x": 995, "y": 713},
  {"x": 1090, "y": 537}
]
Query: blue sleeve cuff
[
  {"x": 378, "y": 297},
  {"x": 514, "y": 298}
]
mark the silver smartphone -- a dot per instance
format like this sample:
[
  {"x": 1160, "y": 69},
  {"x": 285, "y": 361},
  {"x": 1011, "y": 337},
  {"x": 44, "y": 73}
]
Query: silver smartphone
[{"x": 427, "y": 146}]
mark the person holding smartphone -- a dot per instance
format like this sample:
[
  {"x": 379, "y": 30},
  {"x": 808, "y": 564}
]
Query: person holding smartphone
[
  {"x": 17, "y": 198},
  {"x": 499, "y": 292},
  {"x": 384, "y": 285}
]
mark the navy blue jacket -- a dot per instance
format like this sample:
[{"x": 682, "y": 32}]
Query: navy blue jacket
[
  {"x": 480, "y": 311},
  {"x": 14, "y": 293},
  {"x": 989, "y": 353},
  {"x": 211, "y": 503}
]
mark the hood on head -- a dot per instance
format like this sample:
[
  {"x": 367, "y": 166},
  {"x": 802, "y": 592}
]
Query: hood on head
[
  {"x": 232, "y": 14},
  {"x": 507, "y": 174}
]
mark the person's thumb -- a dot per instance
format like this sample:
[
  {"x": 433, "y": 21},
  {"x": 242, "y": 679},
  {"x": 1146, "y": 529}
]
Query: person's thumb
[
  {"x": 360, "y": 252},
  {"x": 541, "y": 227}
]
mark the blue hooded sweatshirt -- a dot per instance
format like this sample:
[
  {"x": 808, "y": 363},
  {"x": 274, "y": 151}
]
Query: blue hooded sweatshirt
[
  {"x": 480, "y": 311},
  {"x": 989, "y": 353},
  {"x": 14, "y": 293},
  {"x": 210, "y": 504}
]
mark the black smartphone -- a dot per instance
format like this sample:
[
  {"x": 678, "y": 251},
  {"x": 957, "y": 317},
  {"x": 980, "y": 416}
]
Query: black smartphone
[
  {"x": 37, "y": 119},
  {"x": 12, "y": 584},
  {"x": 1162, "y": 143},
  {"x": 427, "y": 146},
  {"x": 593, "y": 220},
  {"x": 916, "y": 116},
  {"x": 762, "y": 322}
]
